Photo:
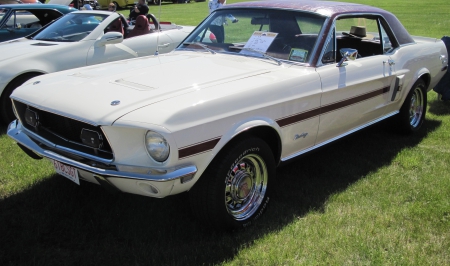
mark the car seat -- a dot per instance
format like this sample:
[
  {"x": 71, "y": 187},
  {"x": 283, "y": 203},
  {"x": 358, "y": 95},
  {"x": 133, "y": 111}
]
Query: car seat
[
  {"x": 141, "y": 27},
  {"x": 116, "y": 26}
]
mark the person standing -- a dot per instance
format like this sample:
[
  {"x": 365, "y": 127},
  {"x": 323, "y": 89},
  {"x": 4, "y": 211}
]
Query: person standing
[
  {"x": 140, "y": 9},
  {"x": 112, "y": 7},
  {"x": 216, "y": 27}
]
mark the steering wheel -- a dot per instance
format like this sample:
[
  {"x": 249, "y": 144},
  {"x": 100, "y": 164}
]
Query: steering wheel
[{"x": 154, "y": 20}]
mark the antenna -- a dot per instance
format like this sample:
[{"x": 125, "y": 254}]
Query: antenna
[{"x": 158, "y": 29}]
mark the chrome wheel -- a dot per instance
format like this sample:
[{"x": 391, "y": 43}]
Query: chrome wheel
[
  {"x": 245, "y": 187},
  {"x": 416, "y": 107}
]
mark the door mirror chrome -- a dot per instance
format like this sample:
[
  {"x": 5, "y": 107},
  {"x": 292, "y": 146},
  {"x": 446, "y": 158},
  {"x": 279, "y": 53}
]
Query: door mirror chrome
[
  {"x": 347, "y": 54},
  {"x": 110, "y": 38}
]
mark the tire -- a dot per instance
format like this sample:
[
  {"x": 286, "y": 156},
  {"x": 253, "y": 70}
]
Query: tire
[
  {"x": 412, "y": 113},
  {"x": 222, "y": 198},
  {"x": 117, "y": 5},
  {"x": 5, "y": 102}
]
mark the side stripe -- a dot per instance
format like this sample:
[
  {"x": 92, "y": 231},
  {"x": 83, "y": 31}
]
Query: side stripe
[
  {"x": 197, "y": 148},
  {"x": 285, "y": 121}
]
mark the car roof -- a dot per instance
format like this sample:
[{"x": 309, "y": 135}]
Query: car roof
[{"x": 326, "y": 8}]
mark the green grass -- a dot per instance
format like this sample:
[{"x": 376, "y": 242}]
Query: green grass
[{"x": 373, "y": 198}]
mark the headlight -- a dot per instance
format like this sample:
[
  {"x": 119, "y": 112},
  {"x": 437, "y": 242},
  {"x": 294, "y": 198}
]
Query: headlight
[{"x": 157, "y": 146}]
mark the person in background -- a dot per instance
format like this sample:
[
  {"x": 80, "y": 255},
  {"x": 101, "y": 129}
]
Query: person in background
[
  {"x": 112, "y": 7},
  {"x": 216, "y": 26},
  {"x": 140, "y": 9},
  {"x": 87, "y": 7}
]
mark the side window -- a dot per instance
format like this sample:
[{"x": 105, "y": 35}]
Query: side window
[
  {"x": 360, "y": 33},
  {"x": 22, "y": 19},
  {"x": 385, "y": 41}
]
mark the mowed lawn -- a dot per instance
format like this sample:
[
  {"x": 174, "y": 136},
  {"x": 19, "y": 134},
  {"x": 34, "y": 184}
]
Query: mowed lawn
[{"x": 372, "y": 198}]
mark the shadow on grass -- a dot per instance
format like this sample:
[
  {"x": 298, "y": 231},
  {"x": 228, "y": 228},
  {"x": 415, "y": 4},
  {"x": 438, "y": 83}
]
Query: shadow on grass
[
  {"x": 57, "y": 222},
  {"x": 439, "y": 107}
]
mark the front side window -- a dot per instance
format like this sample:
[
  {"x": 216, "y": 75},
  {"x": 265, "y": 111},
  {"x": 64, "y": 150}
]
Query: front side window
[
  {"x": 72, "y": 27},
  {"x": 287, "y": 35},
  {"x": 365, "y": 34}
]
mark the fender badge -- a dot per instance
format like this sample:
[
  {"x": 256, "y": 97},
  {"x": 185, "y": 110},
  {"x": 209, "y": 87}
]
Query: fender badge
[
  {"x": 303, "y": 135},
  {"x": 36, "y": 82},
  {"x": 114, "y": 103}
]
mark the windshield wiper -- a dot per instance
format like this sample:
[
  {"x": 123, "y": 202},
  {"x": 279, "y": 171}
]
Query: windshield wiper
[
  {"x": 264, "y": 54},
  {"x": 201, "y": 45}
]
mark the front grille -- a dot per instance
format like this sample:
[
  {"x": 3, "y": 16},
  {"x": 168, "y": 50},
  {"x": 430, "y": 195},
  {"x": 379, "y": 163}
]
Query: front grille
[{"x": 63, "y": 131}]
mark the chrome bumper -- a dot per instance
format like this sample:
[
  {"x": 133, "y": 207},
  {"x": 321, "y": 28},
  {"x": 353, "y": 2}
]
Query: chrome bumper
[{"x": 16, "y": 132}]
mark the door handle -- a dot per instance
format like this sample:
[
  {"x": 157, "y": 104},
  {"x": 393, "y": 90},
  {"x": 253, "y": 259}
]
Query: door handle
[
  {"x": 164, "y": 45},
  {"x": 390, "y": 62}
]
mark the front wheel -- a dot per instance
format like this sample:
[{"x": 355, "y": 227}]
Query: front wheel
[
  {"x": 234, "y": 189},
  {"x": 7, "y": 113},
  {"x": 412, "y": 113}
]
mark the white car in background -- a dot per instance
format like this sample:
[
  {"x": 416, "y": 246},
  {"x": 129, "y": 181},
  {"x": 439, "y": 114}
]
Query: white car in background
[{"x": 81, "y": 38}]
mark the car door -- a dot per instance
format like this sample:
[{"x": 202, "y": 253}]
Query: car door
[
  {"x": 354, "y": 94},
  {"x": 146, "y": 44}
]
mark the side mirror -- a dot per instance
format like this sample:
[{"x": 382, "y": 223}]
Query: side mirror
[
  {"x": 110, "y": 38},
  {"x": 347, "y": 54}
]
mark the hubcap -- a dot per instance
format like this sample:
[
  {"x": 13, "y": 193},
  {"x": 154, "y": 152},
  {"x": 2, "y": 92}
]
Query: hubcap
[
  {"x": 416, "y": 108},
  {"x": 245, "y": 187}
]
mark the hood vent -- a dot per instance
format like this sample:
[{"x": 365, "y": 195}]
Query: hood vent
[
  {"x": 43, "y": 44},
  {"x": 134, "y": 85}
]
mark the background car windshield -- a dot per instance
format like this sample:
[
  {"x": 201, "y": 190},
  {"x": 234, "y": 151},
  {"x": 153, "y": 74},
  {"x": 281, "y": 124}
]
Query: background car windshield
[
  {"x": 3, "y": 12},
  {"x": 71, "y": 28},
  {"x": 230, "y": 30}
]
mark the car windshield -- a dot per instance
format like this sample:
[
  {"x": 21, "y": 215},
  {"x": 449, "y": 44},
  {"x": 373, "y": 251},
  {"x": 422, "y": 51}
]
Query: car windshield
[
  {"x": 72, "y": 27},
  {"x": 274, "y": 34},
  {"x": 3, "y": 12}
]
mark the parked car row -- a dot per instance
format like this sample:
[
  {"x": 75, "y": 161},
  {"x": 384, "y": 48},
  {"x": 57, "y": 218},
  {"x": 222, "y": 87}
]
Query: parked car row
[{"x": 216, "y": 116}]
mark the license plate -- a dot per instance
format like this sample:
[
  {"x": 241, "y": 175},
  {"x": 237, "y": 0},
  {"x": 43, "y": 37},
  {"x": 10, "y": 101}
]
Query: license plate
[{"x": 67, "y": 171}]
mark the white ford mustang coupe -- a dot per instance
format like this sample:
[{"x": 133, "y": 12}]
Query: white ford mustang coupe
[
  {"x": 286, "y": 78},
  {"x": 81, "y": 38}
]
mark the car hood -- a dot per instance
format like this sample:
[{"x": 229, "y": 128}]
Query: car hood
[
  {"x": 87, "y": 94},
  {"x": 19, "y": 48}
]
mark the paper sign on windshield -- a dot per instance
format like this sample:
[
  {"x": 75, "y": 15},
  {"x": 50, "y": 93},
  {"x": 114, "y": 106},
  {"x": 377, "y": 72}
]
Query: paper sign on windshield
[{"x": 259, "y": 41}]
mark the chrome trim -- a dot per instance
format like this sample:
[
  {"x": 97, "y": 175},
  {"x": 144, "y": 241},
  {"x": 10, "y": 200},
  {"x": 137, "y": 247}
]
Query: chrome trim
[
  {"x": 330, "y": 37},
  {"x": 338, "y": 137},
  {"x": 315, "y": 49},
  {"x": 16, "y": 132}
]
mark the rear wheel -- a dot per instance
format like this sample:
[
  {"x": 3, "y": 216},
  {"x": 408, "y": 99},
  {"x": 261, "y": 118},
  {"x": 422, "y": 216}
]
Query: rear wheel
[
  {"x": 6, "y": 106},
  {"x": 412, "y": 113},
  {"x": 234, "y": 190}
]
